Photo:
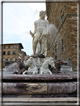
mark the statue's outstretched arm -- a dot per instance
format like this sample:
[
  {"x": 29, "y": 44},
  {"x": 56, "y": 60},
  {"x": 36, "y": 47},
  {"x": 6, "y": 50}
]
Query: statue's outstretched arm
[
  {"x": 32, "y": 34},
  {"x": 35, "y": 27}
]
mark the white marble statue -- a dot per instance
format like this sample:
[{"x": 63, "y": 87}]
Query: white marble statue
[
  {"x": 40, "y": 34},
  {"x": 45, "y": 65},
  {"x": 31, "y": 62},
  {"x": 38, "y": 63}
]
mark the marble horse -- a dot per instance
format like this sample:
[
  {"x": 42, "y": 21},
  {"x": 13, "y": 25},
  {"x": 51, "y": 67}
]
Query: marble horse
[
  {"x": 31, "y": 63},
  {"x": 45, "y": 65}
]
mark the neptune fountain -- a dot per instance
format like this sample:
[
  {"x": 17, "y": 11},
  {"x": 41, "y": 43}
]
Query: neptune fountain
[
  {"x": 39, "y": 75},
  {"x": 39, "y": 62}
]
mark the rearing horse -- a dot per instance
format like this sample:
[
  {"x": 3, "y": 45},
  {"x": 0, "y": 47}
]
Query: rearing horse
[
  {"x": 32, "y": 66},
  {"x": 46, "y": 62}
]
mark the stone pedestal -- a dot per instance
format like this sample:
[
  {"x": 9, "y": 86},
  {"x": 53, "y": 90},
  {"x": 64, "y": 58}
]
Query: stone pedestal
[
  {"x": 39, "y": 88},
  {"x": 39, "y": 84}
]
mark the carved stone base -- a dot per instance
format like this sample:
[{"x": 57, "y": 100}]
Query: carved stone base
[{"x": 39, "y": 88}]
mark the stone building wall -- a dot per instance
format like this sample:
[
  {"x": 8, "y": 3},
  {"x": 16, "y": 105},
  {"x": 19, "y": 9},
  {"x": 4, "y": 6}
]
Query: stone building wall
[
  {"x": 64, "y": 45},
  {"x": 16, "y": 48}
]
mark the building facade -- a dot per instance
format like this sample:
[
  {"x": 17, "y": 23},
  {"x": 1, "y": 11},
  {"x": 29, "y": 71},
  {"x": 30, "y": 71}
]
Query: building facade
[
  {"x": 11, "y": 52},
  {"x": 64, "y": 44}
]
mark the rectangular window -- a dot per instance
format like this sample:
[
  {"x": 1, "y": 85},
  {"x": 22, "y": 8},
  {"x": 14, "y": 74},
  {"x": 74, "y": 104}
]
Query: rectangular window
[
  {"x": 62, "y": 19},
  {"x": 55, "y": 57},
  {"x": 62, "y": 45},
  {"x": 9, "y": 47},
  {"x": 8, "y": 52},
  {"x": 14, "y": 46},
  {"x": 57, "y": 26},
  {"x": 4, "y": 53},
  {"x": 14, "y": 53},
  {"x": 55, "y": 47},
  {"x": 4, "y": 47}
]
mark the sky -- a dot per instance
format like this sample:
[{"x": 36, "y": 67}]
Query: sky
[{"x": 18, "y": 20}]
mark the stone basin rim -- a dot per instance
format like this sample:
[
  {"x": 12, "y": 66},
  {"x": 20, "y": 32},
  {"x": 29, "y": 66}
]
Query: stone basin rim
[{"x": 39, "y": 77}]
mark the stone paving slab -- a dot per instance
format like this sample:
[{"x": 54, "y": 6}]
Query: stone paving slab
[
  {"x": 41, "y": 104},
  {"x": 37, "y": 99}
]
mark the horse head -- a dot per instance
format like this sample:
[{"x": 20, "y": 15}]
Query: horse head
[
  {"x": 29, "y": 61},
  {"x": 51, "y": 62}
]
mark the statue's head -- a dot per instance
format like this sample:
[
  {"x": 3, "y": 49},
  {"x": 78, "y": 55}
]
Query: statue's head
[{"x": 42, "y": 14}]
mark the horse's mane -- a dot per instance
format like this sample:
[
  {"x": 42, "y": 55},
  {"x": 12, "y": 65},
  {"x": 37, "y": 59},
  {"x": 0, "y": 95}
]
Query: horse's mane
[{"x": 45, "y": 59}]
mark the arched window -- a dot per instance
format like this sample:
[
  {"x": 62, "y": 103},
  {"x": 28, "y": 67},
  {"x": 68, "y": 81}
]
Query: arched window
[
  {"x": 8, "y": 52},
  {"x": 8, "y": 59},
  {"x": 3, "y": 53},
  {"x": 14, "y": 53},
  {"x": 3, "y": 59},
  {"x": 13, "y": 59}
]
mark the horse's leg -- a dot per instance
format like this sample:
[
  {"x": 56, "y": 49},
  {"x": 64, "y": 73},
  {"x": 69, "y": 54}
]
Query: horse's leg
[
  {"x": 40, "y": 72},
  {"x": 50, "y": 72},
  {"x": 33, "y": 72},
  {"x": 24, "y": 72},
  {"x": 42, "y": 46}
]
